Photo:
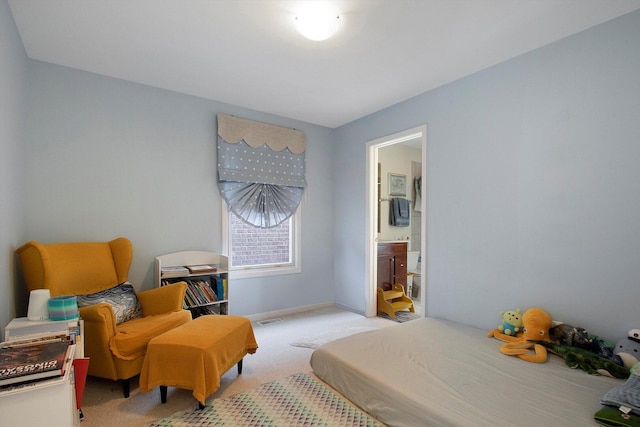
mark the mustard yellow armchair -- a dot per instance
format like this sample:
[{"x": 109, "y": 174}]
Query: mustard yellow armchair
[{"x": 116, "y": 350}]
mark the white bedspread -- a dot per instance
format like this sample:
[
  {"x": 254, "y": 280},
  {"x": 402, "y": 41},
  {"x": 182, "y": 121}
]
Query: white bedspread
[{"x": 432, "y": 372}]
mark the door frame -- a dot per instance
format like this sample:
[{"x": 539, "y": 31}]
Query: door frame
[{"x": 371, "y": 214}]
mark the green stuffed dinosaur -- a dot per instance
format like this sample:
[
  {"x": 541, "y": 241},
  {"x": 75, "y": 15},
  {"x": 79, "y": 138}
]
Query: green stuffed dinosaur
[{"x": 590, "y": 362}]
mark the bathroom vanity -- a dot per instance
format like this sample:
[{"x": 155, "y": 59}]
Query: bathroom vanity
[{"x": 392, "y": 264}]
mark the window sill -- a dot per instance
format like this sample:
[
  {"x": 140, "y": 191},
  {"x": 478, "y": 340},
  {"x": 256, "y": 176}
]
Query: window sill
[{"x": 248, "y": 273}]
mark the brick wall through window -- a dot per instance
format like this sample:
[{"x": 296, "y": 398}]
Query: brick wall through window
[{"x": 259, "y": 246}]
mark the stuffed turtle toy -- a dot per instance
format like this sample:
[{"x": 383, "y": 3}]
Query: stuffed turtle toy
[{"x": 586, "y": 360}]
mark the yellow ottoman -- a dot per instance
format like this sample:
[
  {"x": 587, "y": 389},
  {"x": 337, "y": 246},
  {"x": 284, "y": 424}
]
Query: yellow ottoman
[{"x": 195, "y": 355}]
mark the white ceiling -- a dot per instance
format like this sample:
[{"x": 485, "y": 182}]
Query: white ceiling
[{"x": 247, "y": 52}]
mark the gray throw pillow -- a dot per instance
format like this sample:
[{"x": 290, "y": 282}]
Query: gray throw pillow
[{"x": 122, "y": 299}]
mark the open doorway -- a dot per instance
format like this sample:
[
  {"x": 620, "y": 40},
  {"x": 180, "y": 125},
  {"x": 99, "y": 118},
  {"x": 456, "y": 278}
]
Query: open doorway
[{"x": 373, "y": 213}]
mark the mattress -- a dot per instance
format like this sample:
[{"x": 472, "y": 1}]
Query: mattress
[{"x": 432, "y": 372}]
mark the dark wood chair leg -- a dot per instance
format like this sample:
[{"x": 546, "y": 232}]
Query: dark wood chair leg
[
  {"x": 240, "y": 367},
  {"x": 126, "y": 387},
  {"x": 163, "y": 393}
]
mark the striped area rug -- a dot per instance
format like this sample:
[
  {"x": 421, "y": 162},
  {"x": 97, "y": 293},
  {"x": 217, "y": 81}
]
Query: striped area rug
[{"x": 298, "y": 400}]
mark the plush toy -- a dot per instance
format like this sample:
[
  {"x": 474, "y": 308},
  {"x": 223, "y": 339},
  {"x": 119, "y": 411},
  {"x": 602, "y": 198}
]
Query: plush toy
[
  {"x": 604, "y": 349},
  {"x": 511, "y": 323},
  {"x": 629, "y": 348},
  {"x": 536, "y": 324},
  {"x": 566, "y": 334},
  {"x": 586, "y": 360}
]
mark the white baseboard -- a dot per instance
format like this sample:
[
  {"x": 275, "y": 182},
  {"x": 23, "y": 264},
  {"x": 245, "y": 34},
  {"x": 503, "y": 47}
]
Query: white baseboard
[
  {"x": 351, "y": 309},
  {"x": 289, "y": 311}
]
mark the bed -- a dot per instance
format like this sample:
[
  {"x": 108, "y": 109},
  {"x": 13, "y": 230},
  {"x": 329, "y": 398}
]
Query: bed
[{"x": 432, "y": 372}]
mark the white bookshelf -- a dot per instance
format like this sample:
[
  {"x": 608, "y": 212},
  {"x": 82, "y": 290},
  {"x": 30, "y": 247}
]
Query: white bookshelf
[{"x": 192, "y": 258}]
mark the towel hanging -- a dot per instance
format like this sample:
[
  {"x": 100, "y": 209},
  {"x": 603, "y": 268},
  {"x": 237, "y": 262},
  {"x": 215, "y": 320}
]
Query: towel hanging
[
  {"x": 417, "y": 183},
  {"x": 399, "y": 212}
]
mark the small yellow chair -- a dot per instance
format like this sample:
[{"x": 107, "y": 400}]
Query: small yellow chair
[
  {"x": 80, "y": 268},
  {"x": 394, "y": 300}
]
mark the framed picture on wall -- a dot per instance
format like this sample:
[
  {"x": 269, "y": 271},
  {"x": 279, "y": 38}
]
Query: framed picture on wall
[{"x": 397, "y": 184}]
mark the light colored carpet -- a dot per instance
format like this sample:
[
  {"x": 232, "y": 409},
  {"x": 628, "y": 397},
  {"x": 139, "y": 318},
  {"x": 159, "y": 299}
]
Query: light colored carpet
[
  {"x": 332, "y": 335},
  {"x": 103, "y": 404},
  {"x": 297, "y": 400}
]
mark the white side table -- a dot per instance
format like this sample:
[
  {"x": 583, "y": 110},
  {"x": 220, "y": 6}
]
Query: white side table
[{"x": 49, "y": 402}]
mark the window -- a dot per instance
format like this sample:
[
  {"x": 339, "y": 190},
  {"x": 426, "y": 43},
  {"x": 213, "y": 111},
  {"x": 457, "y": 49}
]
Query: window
[
  {"x": 256, "y": 252},
  {"x": 261, "y": 178}
]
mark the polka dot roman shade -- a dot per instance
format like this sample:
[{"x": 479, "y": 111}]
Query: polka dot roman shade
[{"x": 261, "y": 170}]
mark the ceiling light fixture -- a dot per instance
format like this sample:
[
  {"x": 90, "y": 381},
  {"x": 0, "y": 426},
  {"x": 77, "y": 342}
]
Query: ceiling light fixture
[{"x": 317, "y": 20}]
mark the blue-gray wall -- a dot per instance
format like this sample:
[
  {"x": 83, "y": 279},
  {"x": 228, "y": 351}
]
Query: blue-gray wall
[
  {"x": 13, "y": 85},
  {"x": 533, "y": 185},
  {"x": 109, "y": 158}
]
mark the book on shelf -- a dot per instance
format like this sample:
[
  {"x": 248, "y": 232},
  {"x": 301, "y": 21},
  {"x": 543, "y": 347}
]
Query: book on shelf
[
  {"x": 22, "y": 361},
  {"x": 199, "y": 292},
  {"x": 203, "y": 268},
  {"x": 21, "y": 326},
  {"x": 22, "y": 329},
  {"x": 41, "y": 338},
  {"x": 204, "y": 288},
  {"x": 33, "y": 384},
  {"x": 206, "y": 310},
  {"x": 219, "y": 289},
  {"x": 174, "y": 271}
]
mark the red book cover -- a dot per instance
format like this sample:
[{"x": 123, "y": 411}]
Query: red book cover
[{"x": 26, "y": 362}]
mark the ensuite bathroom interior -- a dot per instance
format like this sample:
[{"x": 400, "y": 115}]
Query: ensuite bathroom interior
[{"x": 401, "y": 164}]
